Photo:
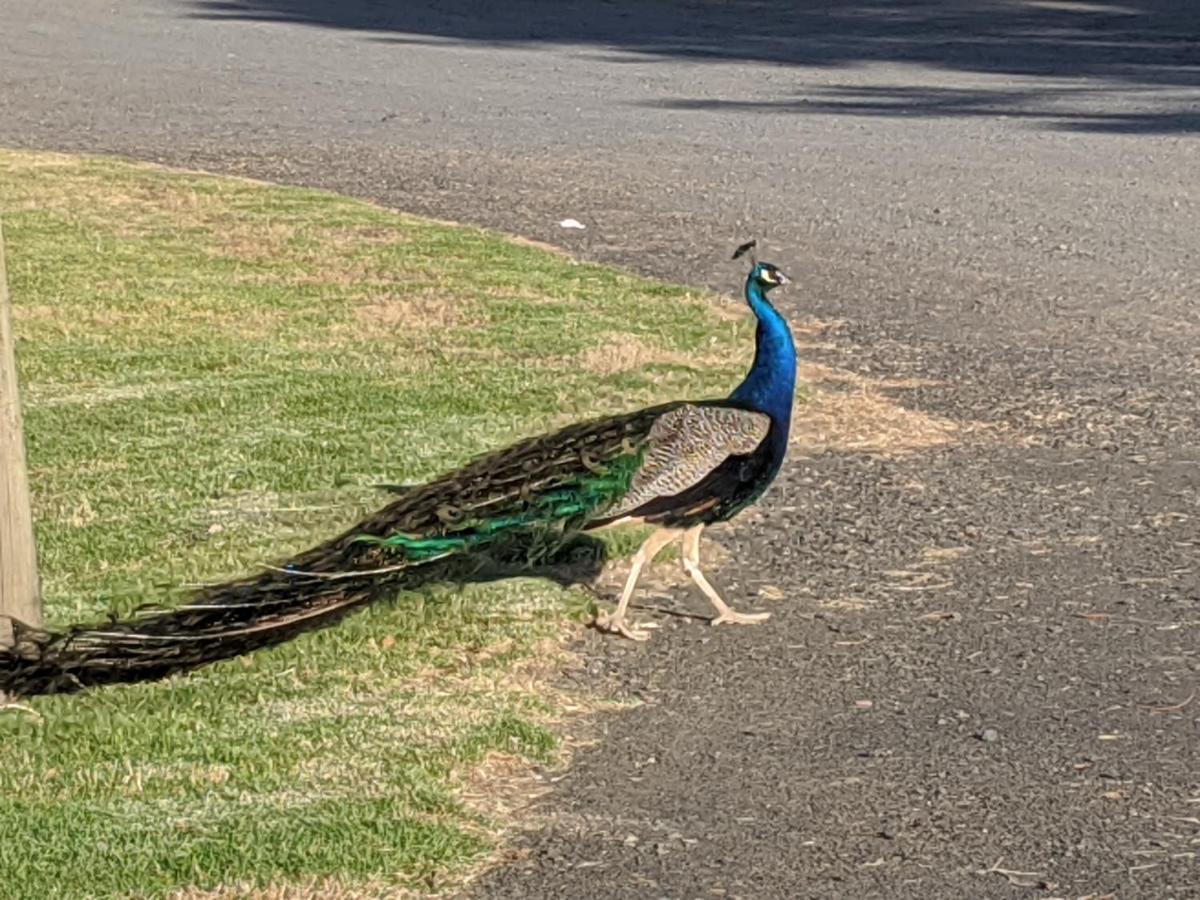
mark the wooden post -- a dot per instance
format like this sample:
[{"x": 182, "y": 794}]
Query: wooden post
[{"x": 20, "y": 595}]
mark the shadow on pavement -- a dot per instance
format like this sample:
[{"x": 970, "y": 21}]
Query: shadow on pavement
[{"x": 1145, "y": 54}]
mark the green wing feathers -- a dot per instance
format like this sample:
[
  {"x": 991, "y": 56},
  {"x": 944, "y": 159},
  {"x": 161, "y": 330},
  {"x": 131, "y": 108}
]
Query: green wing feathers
[
  {"x": 556, "y": 482},
  {"x": 563, "y": 481}
]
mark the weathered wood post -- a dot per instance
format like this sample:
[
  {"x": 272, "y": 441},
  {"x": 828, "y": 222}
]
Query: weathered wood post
[{"x": 20, "y": 595}]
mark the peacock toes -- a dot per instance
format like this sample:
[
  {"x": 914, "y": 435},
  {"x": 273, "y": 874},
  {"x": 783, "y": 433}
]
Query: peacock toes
[
  {"x": 615, "y": 622},
  {"x": 691, "y": 564}
]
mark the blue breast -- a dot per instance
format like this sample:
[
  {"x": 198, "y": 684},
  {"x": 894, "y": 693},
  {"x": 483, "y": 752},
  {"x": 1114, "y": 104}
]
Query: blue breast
[{"x": 770, "y": 384}]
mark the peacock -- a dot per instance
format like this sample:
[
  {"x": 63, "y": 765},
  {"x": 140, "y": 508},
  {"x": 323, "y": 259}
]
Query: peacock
[{"x": 678, "y": 466}]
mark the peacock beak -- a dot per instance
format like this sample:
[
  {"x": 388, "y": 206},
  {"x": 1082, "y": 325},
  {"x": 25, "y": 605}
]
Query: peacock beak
[{"x": 781, "y": 278}]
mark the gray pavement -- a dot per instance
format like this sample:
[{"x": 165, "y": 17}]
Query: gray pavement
[{"x": 999, "y": 201}]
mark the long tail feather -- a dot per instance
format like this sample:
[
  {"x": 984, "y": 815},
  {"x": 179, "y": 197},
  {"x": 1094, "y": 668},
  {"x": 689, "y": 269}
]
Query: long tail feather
[
  {"x": 223, "y": 622},
  {"x": 314, "y": 590}
]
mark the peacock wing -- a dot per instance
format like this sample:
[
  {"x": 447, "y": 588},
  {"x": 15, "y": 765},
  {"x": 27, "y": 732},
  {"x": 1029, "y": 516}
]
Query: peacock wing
[
  {"x": 684, "y": 446},
  {"x": 551, "y": 478}
]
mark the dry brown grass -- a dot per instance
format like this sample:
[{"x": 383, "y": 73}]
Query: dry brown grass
[
  {"x": 624, "y": 352},
  {"x": 91, "y": 319},
  {"x": 195, "y": 315},
  {"x": 502, "y": 788},
  {"x": 851, "y": 413},
  {"x": 88, "y": 194},
  {"x": 541, "y": 245},
  {"x": 616, "y": 353},
  {"x": 365, "y": 235},
  {"x": 412, "y": 312},
  {"x": 258, "y": 244},
  {"x": 324, "y": 889}
]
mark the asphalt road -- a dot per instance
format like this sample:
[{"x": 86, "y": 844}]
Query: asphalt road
[{"x": 979, "y": 678}]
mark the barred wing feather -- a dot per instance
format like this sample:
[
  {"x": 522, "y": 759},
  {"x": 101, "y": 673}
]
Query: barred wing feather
[{"x": 687, "y": 444}]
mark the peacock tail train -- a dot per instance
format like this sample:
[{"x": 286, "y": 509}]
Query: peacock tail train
[
  {"x": 527, "y": 508},
  {"x": 503, "y": 513}
]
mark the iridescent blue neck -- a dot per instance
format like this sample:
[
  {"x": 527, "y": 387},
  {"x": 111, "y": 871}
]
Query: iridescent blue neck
[{"x": 771, "y": 382}]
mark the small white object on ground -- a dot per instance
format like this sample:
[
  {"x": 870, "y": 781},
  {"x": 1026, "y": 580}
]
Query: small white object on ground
[{"x": 571, "y": 223}]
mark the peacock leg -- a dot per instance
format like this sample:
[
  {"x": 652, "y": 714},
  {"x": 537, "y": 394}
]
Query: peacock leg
[
  {"x": 615, "y": 622},
  {"x": 691, "y": 563}
]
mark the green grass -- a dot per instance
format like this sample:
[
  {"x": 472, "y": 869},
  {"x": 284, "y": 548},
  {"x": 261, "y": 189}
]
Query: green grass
[{"x": 214, "y": 371}]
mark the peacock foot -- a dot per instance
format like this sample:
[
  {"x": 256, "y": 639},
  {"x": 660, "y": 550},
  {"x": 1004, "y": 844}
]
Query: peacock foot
[
  {"x": 617, "y": 625},
  {"x": 736, "y": 618}
]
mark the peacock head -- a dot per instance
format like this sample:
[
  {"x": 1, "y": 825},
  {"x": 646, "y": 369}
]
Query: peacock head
[
  {"x": 768, "y": 276},
  {"x": 764, "y": 274}
]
